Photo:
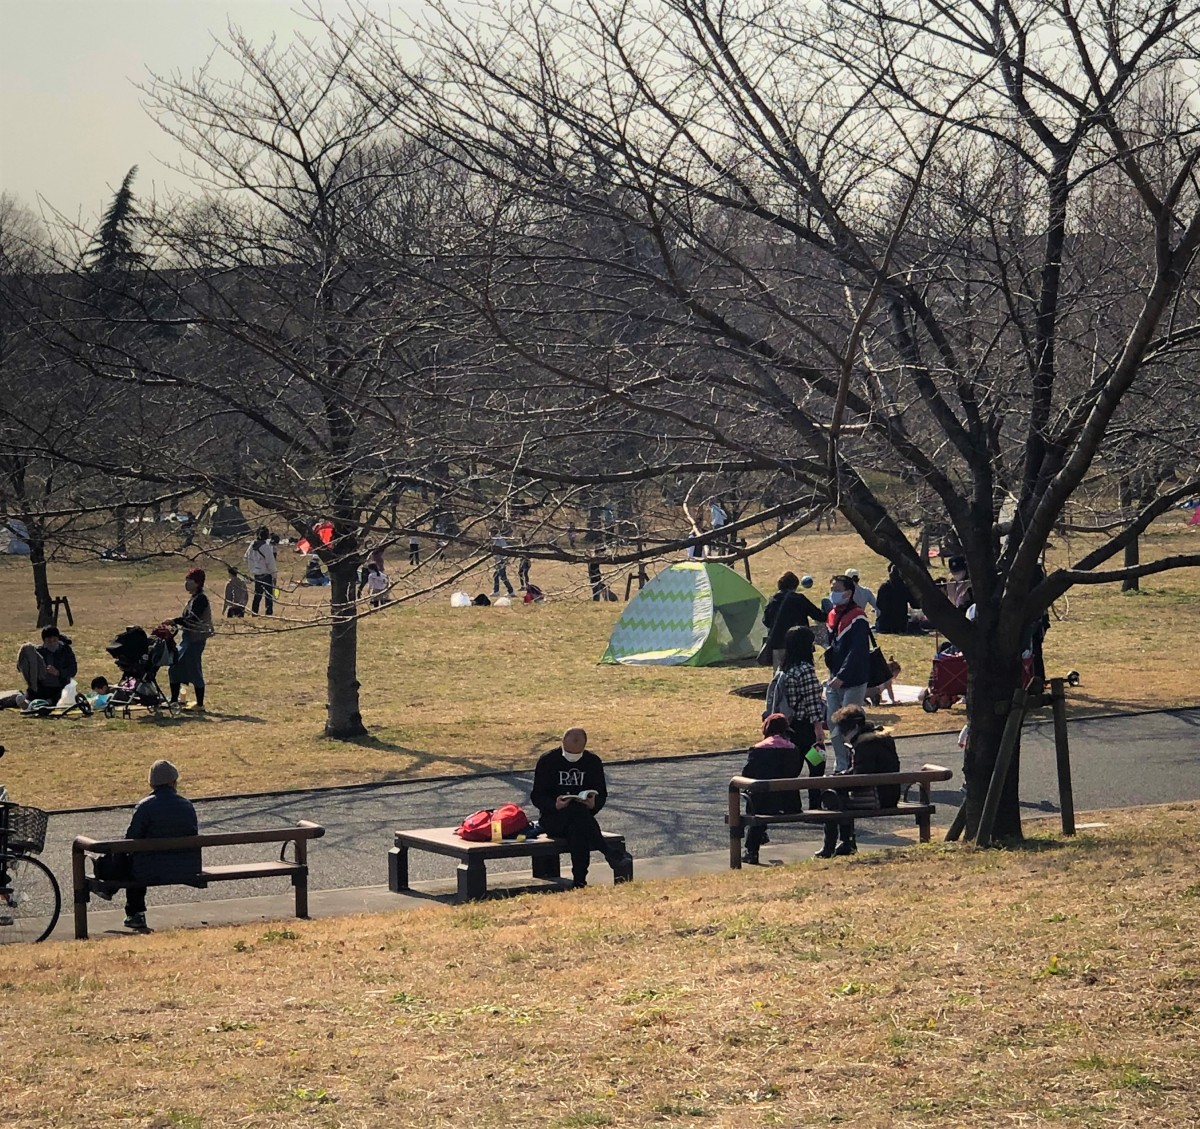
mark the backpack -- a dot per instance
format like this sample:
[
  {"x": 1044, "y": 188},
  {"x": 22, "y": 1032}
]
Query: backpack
[{"x": 477, "y": 827}]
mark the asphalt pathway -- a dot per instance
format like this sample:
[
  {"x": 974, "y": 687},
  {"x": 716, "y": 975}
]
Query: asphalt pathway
[{"x": 664, "y": 808}]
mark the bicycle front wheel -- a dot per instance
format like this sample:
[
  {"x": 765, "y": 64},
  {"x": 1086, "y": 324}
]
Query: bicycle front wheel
[{"x": 30, "y": 900}]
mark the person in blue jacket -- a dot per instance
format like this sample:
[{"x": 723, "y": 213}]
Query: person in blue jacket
[
  {"x": 164, "y": 814},
  {"x": 848, "y": 660}
]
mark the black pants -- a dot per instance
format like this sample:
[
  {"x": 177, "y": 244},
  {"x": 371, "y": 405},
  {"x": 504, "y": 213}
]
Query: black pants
[
  {"x": 500, "y": 576},
  {"x": 579, "y": 827},
  {"x": 264, "y": 586},
  {"x": 135, "y": 900}
]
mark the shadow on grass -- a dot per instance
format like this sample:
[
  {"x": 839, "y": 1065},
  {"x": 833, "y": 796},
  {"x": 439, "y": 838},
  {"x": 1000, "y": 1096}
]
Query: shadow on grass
[{"x": 418, "y": 759}]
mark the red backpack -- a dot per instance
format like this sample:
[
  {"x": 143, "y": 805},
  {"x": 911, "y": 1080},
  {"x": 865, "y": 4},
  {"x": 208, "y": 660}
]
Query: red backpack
[{"x": 477, "y": 827}]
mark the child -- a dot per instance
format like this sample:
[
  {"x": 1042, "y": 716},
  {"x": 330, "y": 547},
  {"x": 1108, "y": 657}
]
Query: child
[
  {"x": 377, "y": 585},
  {"x": 569, "y": 790},
  {"x": 237, "y": 596},
  {"x": 313, "y": 576},
  {"x": 101, "y": 692}
]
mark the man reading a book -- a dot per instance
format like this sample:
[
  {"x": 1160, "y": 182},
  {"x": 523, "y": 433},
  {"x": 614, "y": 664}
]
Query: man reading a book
[{"x": 568, "y": 791}]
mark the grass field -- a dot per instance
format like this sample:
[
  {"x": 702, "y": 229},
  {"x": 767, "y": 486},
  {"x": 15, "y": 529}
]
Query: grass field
[
  {"x": 924, "y": 986},
  {"x": 449, "y": 691}
]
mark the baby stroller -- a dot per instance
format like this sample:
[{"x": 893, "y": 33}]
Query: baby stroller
[
  {"x": 140, "y": 657},
  {"x": 948, "y": 678}
]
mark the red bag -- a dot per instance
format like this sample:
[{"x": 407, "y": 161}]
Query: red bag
[{"x": 477, "y": 827}]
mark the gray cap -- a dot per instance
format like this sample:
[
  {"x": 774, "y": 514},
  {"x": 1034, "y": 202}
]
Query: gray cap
[{"x": 163, "y": 772}]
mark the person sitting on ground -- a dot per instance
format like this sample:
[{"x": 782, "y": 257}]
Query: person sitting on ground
[
  {"x": 101, "y": 691},
  {"x": 569, "y": 791},
  {"x": 775, "y": 757},
  {"x": 872, "y": 751},
  {"x": 892, "y": 604},
  {"x": 48, "y": 668},
  {"x": 237, "y": 596},
  {"x": 313, "y": 576},
  {"x": 164, "y": 814},
  {"x": 786, "y": 609}
]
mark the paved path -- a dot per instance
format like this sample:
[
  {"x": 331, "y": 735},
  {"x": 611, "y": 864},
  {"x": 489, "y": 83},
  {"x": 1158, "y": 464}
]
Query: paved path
[{"x": 666, "y": 809}]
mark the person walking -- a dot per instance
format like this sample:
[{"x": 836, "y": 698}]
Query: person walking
[
  {"x": 196, "y": 625},
  {"x": 892, "y": 604},
  {"x": 786, "y": 609},
  {"x": 848, "y": 660},
  {"x": 236, "y": 596},
  {"x": 260, "y": 560},
  {"x": 500, "y": 563}
]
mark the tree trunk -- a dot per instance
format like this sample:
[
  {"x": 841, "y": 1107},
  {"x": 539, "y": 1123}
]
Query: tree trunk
[
  {"x": 344, "y": 720},
  {"x": 1133, "y": 552},
  {"x": 993, "y": 680},
  {"x": 41, "y": 582},
  {"x": 119, "y": 545}
]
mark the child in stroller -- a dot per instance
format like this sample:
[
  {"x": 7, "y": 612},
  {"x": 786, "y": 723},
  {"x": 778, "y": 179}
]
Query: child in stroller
[{"x": 140, "y": 657}]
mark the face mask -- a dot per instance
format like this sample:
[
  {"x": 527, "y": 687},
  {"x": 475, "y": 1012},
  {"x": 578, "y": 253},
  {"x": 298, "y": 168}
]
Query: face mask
[
  {"x": 838, "y": 598},
  {"x": 571, "y": 758}
]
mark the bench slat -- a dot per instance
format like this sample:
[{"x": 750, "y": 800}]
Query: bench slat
[{"x": 225, "y": 872}]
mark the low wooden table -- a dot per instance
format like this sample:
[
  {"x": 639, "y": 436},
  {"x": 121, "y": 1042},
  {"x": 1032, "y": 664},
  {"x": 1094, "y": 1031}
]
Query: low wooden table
[{"x": 473, "y": 858}]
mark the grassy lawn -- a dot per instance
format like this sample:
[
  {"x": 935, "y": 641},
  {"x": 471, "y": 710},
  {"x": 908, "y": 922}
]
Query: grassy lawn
[
  {"x": 448, "y": 691},
  {"x": 924, "y": 986}
]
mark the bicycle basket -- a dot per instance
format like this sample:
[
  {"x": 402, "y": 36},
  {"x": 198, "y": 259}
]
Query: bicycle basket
[{"x": 22, "y": 828}]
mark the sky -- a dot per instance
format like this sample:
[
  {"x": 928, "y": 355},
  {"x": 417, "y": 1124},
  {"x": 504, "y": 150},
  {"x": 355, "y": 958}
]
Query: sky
[{"x": 71, "y": 120}]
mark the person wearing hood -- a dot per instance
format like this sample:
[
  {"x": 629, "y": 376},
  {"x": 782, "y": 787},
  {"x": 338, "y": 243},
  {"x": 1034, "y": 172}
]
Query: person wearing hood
[
  {"x": 775, "y": 757},
  {"x": 569, "y": 791},
  {"x": 49, "y": 667}
]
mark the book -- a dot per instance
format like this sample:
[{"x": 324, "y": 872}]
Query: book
[{"x": 584, "y": 796}]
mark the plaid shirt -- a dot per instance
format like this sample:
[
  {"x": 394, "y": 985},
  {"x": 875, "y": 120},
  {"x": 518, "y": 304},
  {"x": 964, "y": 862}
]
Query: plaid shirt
[{"x": 804, "y": 692}]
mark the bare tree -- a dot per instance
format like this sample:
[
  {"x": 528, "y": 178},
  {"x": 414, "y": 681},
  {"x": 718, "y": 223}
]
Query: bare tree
[{"x": 842, "y": 245}]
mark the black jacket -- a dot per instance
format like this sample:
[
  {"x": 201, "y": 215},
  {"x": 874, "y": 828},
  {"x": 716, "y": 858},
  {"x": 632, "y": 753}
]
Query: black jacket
[
  {"x": 62, "y": 659},
  {"x": 893, "y": 602},
  {"x": 785, "y": 610},
  {"x": 874, "y": 751},
  {"x": 774, "y": 764},
  {"x": 164, "y": 814},
  {"x": 556, "y": 776}
]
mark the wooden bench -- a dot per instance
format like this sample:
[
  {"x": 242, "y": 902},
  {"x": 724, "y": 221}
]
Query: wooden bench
[
  {"x": 747, "y": 787},
  {"x": 297, "y": 870},
  {"x": 474, "y": 857}
]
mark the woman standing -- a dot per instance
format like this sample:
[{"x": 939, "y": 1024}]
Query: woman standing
[
  {"x": 795, "y": 692},
  {"x": 260, "y": 560},
  {"x": 196, "y": 623}
]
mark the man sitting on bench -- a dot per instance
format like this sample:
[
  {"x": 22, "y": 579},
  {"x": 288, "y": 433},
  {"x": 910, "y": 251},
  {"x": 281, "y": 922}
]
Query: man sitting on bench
[
  {"x": 164, "y": 814},
  {"x": 568, "y": 790},
  {"x": 872, "y": 751}
]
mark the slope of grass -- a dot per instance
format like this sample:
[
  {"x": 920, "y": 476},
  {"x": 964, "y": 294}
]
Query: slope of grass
[
  {"x": 448, "y": 691},
  {"x": 925, "y": 986}
]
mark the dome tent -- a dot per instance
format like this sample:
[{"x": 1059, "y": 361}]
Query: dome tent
[{"x": 694, "y": 613}]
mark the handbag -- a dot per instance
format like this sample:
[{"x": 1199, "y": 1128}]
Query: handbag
[{"x": 764, "y": 655}]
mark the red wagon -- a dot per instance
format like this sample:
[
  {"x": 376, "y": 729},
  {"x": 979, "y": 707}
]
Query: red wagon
[{"x": 948, "y": 678}]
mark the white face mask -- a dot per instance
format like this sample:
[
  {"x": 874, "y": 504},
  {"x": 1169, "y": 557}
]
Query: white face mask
[
  {"x": 571, "y": 758},
  {"x": 838, "y": 598}
]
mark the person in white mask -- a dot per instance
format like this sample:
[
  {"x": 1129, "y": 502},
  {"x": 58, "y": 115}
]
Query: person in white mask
[{"x": 848, "y": 660}]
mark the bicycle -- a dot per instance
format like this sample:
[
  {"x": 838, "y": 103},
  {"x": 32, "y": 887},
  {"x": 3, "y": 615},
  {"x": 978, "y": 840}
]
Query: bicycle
[{"x": 30, "y": 900}]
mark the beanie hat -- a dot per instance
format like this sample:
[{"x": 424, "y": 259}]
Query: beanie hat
[
  {"x": 163, "y": 772},
  {"x": 196, "y": 574}
]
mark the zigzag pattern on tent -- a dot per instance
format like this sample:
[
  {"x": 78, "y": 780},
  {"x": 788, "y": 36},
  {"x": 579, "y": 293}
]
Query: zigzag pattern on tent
[{"x": 669, "y": 618}]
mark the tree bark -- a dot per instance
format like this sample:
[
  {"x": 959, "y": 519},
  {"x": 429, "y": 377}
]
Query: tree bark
[
  {"x": 41, "y": 581},
  {"x": 992, "y": 682},
  {"x": 344, "y": 720},
  {"x": 1133, "y": 552}
]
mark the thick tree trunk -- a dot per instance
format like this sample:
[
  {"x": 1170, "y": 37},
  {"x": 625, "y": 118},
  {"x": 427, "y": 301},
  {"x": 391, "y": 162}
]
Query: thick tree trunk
[
  {"x": 992, "y": 683},
  {"x": 41, "y": 581},
  {"x": 344, "y": 720},
  {"x": 1133, "y": 553}
]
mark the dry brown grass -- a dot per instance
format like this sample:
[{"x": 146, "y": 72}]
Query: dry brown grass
[
  {"x": 448, "y": 691},
  {"x": 1059, "y": 984}
]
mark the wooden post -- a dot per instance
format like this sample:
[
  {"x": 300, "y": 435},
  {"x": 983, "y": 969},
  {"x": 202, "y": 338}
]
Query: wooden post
[
  {"x": 1062, "y": 756},
  {"x": 746, "y": 566},
  {"x": 958, "y": 824},
  {"x": 734, "y": 819},
  {"x": 80, "y": 893},
  {"x": 1008, "y": 746}
]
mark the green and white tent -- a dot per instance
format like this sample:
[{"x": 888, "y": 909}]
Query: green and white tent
[{"x": 694, "y": 613}]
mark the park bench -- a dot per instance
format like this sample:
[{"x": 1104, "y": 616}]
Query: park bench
[
  {"x": 297, "y": 869},
  {"x": 474, "y": 857},
  {"x": 745, "y": 788}
]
